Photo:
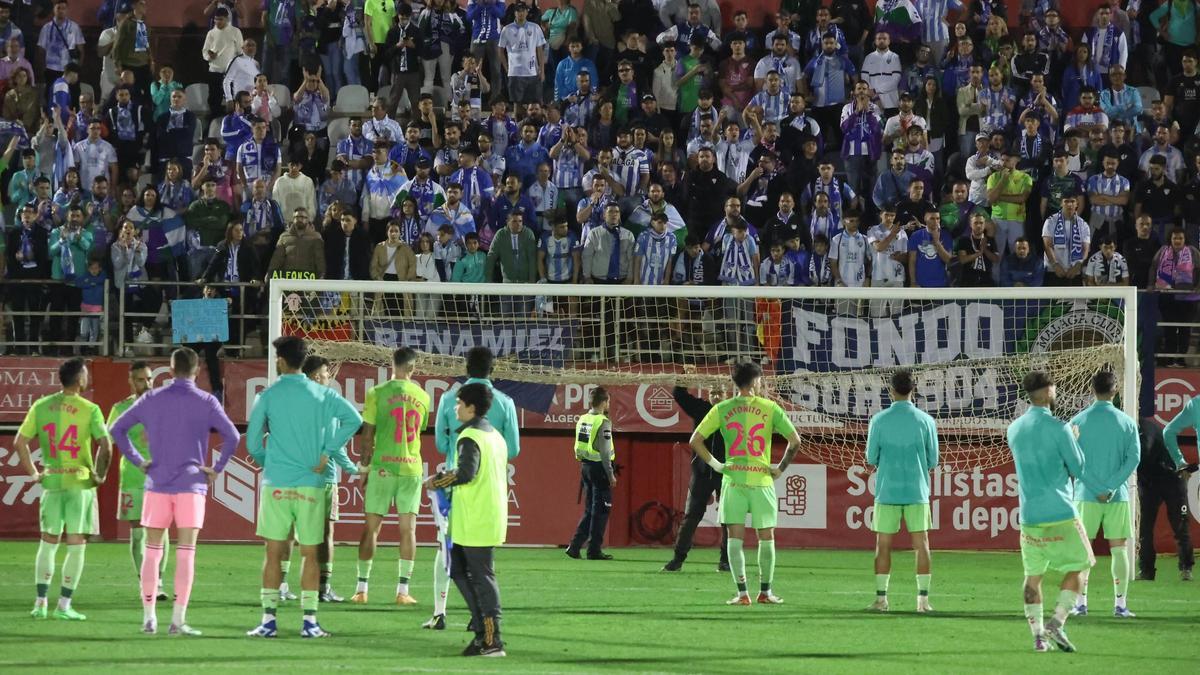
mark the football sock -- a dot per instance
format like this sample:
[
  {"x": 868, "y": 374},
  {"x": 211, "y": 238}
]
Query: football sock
[
  {"x": 137, "y": 548},
  {"x": 923, "y": 584},
  {"x": 766, "y": 563},
  {"x": 441, "y": 582},
  {"x": 72, "y": 570},
  {"x": 364, "y": 575},
  {"x": 406, "y": 570},
  {"x": 737, "y": 564},
  {"x": 162, "y": 564},
  {"x": 1033, "y": 613},
  {"x": 1083, "y": 586},
  {"x": 308, "y": 603},
  {"x": 185, "y": 574},
  {"x": 1066, "y": 600},
  {"x": 285, "y": 566},
  {"x": 150, "y": 577},
  {"x": 326, "y": 573},
  {"x": 44, "y": 568},
  {"x": 881, "y": 585},
  {"x": 270, "y": 603},
  {"x": 1120, "y": 573}
]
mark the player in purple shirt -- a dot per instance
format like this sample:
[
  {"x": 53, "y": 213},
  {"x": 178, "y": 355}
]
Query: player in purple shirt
[{"x": 178, "y": 418}]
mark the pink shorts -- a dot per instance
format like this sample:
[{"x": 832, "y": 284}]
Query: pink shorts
[{"x": 185, "y": 509}]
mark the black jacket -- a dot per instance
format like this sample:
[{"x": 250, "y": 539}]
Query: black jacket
[
  {"x": 696, "y": 408},
  {"x": 167, "y": 143},
  {"x": 41, "y": 254},
  {"x": 708, "y": 192},
  {"x": 1156, "y": 462},
  {"x": 248, "y": 267},
  {"x": 360, "y": 253},
  {"x": 708, "y": 265}
]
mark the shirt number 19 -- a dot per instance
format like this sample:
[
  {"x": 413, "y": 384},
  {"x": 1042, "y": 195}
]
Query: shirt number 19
[{"x": 408, "y": 425}]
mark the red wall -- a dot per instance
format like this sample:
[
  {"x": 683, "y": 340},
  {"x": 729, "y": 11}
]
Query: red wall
[{"x": 819, "y": 506}]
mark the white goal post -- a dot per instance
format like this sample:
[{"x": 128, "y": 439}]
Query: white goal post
[{"x": 826, "y": 351}]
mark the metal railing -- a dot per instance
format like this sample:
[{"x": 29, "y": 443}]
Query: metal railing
[
  {"x": 41, "y": 319},
  {"x": 133, "y": 325}
]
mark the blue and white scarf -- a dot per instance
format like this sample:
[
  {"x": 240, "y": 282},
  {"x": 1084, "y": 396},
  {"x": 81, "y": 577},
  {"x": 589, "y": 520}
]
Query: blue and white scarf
[
  {"x": 141, "y": 38},
  {"x": 27, "y": 259},
  {"x": 66, "y": 260},
  {"x": 1075, "y": 248}
]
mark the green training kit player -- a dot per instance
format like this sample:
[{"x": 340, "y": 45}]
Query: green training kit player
[
  {"x": 746, "y": 423},
  {"x": 65, "y": 425},
  {"x": 394, "y": 414},
  {"x": 316, "y": 368},
  {"x": 1112, "y": 449},
  {"x": 1047, "y": 457},
  {"x": 308, "y": 423},
  {"x": 132, "y": 483},
  {"x": 902, "y": 445}
]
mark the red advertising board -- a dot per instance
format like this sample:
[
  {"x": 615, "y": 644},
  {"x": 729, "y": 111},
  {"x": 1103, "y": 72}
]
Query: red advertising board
[
  {"x": 819, "y": 506},
  {"x": 24, "y": 380},
  {"x": 536, "y": 492},
  {"x": 636, "y": 408}
]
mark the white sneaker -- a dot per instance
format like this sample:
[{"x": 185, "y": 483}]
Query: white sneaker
[{"x": 923, "y": 604}]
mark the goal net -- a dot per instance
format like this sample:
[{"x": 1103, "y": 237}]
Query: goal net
[{"x": 827, "y": 353}]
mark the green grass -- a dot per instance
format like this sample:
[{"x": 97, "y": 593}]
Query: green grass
[{"x": 567, "y": 615}]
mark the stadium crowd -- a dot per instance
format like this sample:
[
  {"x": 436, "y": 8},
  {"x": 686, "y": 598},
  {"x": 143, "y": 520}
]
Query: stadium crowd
[{"x": 607, "y": 141}]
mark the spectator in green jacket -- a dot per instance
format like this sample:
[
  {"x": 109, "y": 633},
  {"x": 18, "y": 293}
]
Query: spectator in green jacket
[
  {"x": 470, "y": 268},
  {"x": 209, "y": 215},
  {"x": 515, "y": 248},
  {"x": 69, "y": 246}
]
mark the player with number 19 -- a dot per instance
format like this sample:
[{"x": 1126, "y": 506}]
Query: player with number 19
[
  {"x": 65, "y": 425},
  {"x": 132, "y": 483},
  {"x": 902, "y": 445},
  {"x": 394, "y": 414},
  {"x": 747, "y": 422}
]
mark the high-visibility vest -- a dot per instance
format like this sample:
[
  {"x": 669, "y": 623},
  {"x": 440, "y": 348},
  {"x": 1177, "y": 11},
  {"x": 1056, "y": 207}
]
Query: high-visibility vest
[
  {"x": 479, "y": 516},
  {"x": 585, "y": 437}
]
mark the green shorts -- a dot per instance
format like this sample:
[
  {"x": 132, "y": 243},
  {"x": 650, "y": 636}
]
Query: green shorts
[
  {"x": 72, "y": 511},
  {"x": 383, "y": 488},
  {"x": 1111, "y": 517},
  {"x": 302, "y": 508},
  {"x": 888, "y": 516},
  {"x": 130, "y": 505},
  {"x": 1060, "y": 546},
  {"x": 759, "y": 502},
  {"x": 331, "y": 502}
]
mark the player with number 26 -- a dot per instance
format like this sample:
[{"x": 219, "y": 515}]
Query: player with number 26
[{"x": 747, "y": 422}]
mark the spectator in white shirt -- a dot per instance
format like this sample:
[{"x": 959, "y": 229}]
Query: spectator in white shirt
[
  {"x": 221, "y": 46},
  {"x": 523, "y": 48},
  {"x": 294, "y": 190},
  {"x": 889, "y": 244},
  {"x": 95, "y": 156},
  {"x": 882, "y": 71},
  {"x": 241, "y": 72}
]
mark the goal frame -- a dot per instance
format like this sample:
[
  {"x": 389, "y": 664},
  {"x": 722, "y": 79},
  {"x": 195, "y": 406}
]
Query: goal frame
[{"x": 1127, "y": 295}]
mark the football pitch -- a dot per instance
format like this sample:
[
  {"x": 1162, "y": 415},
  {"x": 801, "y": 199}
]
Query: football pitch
[{"x": 618, "y": 616}]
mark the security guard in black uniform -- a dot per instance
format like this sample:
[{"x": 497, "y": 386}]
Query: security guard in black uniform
[
  {"x": 594, "y": 450},
  {"x": 704, "y": 483},
  {"x": 1159, "y": 483}
]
